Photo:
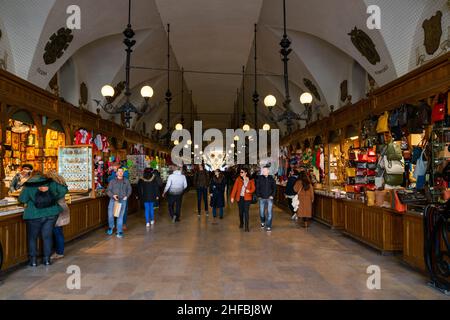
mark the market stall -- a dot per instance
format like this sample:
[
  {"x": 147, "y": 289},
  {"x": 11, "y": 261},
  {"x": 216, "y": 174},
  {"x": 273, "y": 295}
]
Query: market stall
[{"x": 386, "y": 159}]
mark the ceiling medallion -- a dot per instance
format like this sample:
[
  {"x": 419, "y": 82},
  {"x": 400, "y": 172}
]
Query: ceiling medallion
[
  {"x": 432, "y": 33},
  {"x": 57, "y": 45},
  {"x": 364, "y": 44},
  {"x": 312, "y": 88}
]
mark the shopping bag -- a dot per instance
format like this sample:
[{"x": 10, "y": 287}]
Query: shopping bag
[{"x": 117, "y": 209}]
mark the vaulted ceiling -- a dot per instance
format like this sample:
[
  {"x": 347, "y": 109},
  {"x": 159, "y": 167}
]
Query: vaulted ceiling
[{"x": 217, "y": 36}]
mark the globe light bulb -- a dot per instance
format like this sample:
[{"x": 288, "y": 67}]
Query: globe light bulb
[
  {"x": 147, "y": 92},
  {"x": 158, "y": 126},
  {"x": 179, "y": 127},
  {"x": 266, "y": 127},
  {"x": 306, "y": 98},
  {"x": 107, "y": 91},
  {"x": 270, "y": 101}
]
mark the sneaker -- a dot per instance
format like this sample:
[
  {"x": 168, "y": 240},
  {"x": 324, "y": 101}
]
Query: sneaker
[
  {"x": 109, "y": 232},
  {"x": 56, "y": 256},
  {"x": 124, "y": 228},
  {"x": 294, "y": 216},
  {"x": 263, "y": 225},
  {"x": 174, "y": 219},
  {"x": 269, "y": 229},
  {"x": 147, "y": 225},
  {"x": 152, "y": 222},
  {"x": 119, "y": 235}
]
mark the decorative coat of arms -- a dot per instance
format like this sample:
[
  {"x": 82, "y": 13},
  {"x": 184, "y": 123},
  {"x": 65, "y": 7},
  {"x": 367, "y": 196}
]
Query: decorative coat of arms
[
  {"x": 433, "y": 32},
  {"x": 83, "y": 94},
  {"x": 312, "y": 88},
  {"x": 57, "y": 45},
  {"x": 344, "y": 90},
  {"x": 364, "y": 44}
]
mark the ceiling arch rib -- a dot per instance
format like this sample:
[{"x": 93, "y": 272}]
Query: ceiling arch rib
[
  {"x": 96, "y": 23},
  {"x": 337, "y": 19}
]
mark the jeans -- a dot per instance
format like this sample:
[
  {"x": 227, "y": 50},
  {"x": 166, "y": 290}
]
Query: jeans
[
  {"x": 111, "y": 215},
  {"x": 262, "y": 211},
  {"x": 214, "y": 211},
  {"x": 59, "y": 240},
  {"x": 202, "y": 192},
  {"x": 174, "y": 201},
  {"x": 149, "y": 211},
  {"x": 43, "y": 227},
  {"x": 244, "y": 208},
  {"x": 125, "y": 213}
]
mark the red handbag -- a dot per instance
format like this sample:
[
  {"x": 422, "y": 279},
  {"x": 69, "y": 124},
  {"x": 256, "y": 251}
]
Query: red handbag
[
  {"x": 372, "y": 153},
  {"x": 371, "y": 173},
  {"x": 438, "y": 113},
  {"x": 372, "y": 159},
  {"x": 371, "y": 187},
  {"x": 359, "y": 188},
  {"x": 362, "y": 157}
]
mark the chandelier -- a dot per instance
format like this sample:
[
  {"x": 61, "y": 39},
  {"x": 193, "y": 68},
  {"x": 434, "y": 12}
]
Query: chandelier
[
  {"x": 288, "y": 116},
  {"x": 108, "y": 92}
]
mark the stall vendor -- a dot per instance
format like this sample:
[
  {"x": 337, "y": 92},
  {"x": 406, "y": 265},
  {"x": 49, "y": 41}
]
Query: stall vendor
[{"x": 20, "y": 178}]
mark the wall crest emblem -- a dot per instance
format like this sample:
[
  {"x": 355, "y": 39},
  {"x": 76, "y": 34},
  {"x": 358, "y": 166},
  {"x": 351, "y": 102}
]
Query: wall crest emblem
[
  {"x": 432, "y": 33},
  {"x": 364, "y": 44},
  {"x": 57, "y": 45}
]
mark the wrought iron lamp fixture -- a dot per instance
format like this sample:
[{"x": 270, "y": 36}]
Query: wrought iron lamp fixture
[
  {"x": 108, "y": 92},
  {"x": 288, "y": 116}
]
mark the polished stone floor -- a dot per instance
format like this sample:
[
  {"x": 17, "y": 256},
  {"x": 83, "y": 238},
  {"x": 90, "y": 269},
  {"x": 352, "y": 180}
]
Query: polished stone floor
[{"x": 200, "y": 259}]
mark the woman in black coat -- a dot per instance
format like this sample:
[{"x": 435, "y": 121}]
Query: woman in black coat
[
  {"x": 217, "y": 190},
  {"x": 149, "y": 189}
]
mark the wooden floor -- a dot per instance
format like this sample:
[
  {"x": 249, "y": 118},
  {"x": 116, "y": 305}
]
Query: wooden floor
[{"x": 197, "y": 259}]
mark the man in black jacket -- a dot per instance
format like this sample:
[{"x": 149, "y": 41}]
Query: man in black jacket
[{"x": 265, "y": 190}]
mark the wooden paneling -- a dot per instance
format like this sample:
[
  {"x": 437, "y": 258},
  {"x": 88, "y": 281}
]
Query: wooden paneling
[
  {"x": 353, "y": 219},
  {"x": 85, "y": 216},
  {"x": 327, "y": 209},
  {"x": 413, "y": 241},
  {"x": 338, "y": 214}
]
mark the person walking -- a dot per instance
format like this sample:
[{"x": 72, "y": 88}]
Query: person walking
[
  {"x": 63, "y": 218},
  {"x": 217, "y": 191},
  {"x": 148, "y": 189},
  {"x": 290, "y": 193},
  {"x": 175, "y": 186},
  {"x": 119, "y": 190},
  {"x": 305, "y": 192},
  {"x": 242, "y": 192},
  {"x": 266, "y": 188},
  {"x": 201, "y": 183},
  {"x": 160, "y": 184},
  {"x": 41, "y": 195}
]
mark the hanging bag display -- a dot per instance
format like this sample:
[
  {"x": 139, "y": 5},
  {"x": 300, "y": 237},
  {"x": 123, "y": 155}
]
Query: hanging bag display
[
  {"x": 393, "y": 179},
  {"x": 438, "y": 114},
  {"x": 421, "y": 166},
  {"x": 393, "y": 166},
  {"x": 394, "y": 152},
  {"x": 382, "y": 124}
]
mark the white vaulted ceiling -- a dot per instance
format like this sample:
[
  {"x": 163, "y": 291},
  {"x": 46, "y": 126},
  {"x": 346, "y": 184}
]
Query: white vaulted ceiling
[{"x": 217, "y": 36}]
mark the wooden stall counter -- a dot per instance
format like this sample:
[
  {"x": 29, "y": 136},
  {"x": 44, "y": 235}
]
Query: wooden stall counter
[
  {"x": 86, "y": 214},
  {"x": 380, "y": 228}
]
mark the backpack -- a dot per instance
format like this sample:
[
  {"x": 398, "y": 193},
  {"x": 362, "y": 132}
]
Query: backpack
[
  {"x": 394, "y": 152},
  {"x": 44, "y": 200}
]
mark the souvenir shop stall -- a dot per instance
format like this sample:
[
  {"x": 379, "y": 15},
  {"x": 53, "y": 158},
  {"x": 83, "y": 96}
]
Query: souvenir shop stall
[
  {"x": 380, "y": 162},
  {"x": 38, "y": 129}
]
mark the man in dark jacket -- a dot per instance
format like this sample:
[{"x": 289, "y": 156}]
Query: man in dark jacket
[
  {"x": 265, "y": 190},
  {"x": 119, "y": 190},
  {"x": 201, "y": 183}
]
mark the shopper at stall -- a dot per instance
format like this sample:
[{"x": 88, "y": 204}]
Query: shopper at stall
[
  {"x": 290, "y": 193},
  {"x": 148, "y": 189},
  {"x": 217, "y": 193},
  {"x": 20, "y": 178},
  {"x": 41, "y": 195},
  {"x": 119, "y": 190},
  {"x": 175, "y": 186},
  {"x": 266, "y": 188},
  {"x": 242, "y": 192},
  {"x": 201, "y": 183},
  {"x": 63, "y": 218},
  {"x": 305, "y": 193}
]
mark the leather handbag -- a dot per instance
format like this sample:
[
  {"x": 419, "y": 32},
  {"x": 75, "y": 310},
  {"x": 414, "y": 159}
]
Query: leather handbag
[
  {"x": 438, "y": 113},
  {"x": 393, "y": 179},
  {"x": 361, "y": 165},
  {"x": 351, "y": 180},
  {"x": 382, "y": 124},
  {"x": 380, "y": 195},
  {"x": 351, "y": 155},
  {"x": 361, "y": 172},
  {"x": 362, "y": 157},
  {"x": 359, "y": 188},
  {"x": 372, "y": 159},
  {"x": 351, "y": 172},
  {"x": 349, "y": 188},
  {"x": 421, "y": 166},
  {"x": 361, "y": 180},
  {"x": 393, "y": 119},
  {"x": 394, "y": 166},
  {"x": 371, "y": 173},
  {"x": 371, "y": 180},
  {"x": 372, "y": 166},
  {"x": 370, "y": 198},
  {"x": 397, "y": 204},
  {"x": 371, "y": 187}
]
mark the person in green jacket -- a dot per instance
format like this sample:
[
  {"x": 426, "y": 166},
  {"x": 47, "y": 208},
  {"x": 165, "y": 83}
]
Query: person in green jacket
[{"x": 40, "y": 195}]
